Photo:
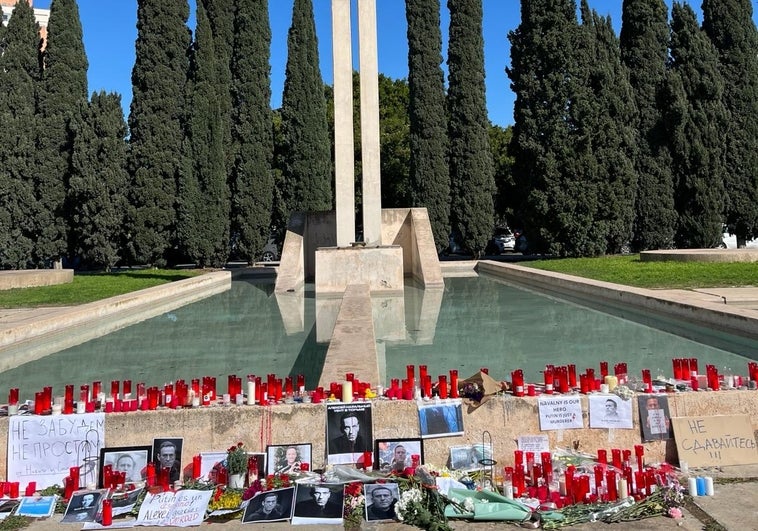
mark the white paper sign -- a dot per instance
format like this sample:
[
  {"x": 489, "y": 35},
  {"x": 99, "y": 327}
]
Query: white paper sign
[
  {"x": 534, "y": 443},
  {"x": 44, "y": 448},
  {"x": 610, "y": 411},
  {"x": 174, "y": 509},
  {"x": 560, "y": 412}
]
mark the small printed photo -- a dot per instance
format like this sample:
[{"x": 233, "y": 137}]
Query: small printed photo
[
  {"x": 167, "y": 453},
  {"x": 270, "y": 506},
  {"x": 441, "y": 420},
  {"x": 318, "y": 503},
  {"x": 131, "y": 460},
  {"x": 124, "y": 502},
  {"x": 655, "y": 419},
  {"x": 610, "y": 411},
  {"x": 36, "y": 506},
  {"x": 395, "y": 455},
  {"x": 348, "y": 432},
  {"x": 84, "y": 505},
  {"x": 287, "y": 458},
  {"x": 380, "y": 501}
]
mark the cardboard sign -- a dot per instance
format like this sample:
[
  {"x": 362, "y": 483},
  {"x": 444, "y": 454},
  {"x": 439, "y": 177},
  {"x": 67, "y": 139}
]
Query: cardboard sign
[
  {"x": 44, "y": 448},
  {"x": 715, "y": 441},
  {"x": 176, "y": 509},
  {"x": 560, "y": 412}
]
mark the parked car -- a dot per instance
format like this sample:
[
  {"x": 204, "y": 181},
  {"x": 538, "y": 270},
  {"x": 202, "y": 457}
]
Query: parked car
[
  {"x": 729, "y": 241},
  {"x": 269, "y": 253},
  {"x": 503, "y": 241}
]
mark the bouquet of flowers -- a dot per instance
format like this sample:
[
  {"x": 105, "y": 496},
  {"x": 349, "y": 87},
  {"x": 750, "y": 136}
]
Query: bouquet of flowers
[
  {"x": 355, "y": 505},
  {"x": 236, "y": 459}
]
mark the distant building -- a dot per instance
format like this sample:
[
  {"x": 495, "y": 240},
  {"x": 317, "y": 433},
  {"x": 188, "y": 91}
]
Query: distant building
[{"x": 42, "y": 16}]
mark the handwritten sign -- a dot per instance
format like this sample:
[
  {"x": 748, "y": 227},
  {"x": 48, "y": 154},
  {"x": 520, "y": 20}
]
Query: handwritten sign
[
  {"x": 44, "y": 448},
  {"x": 715, "y": 441},
  {"x": 534, "y": 443},
  {"x": 175, "y": 509},
  {"x": 560, "y": 412}
]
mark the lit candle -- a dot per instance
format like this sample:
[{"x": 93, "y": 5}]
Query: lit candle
[{"x": 347, "y": 391}]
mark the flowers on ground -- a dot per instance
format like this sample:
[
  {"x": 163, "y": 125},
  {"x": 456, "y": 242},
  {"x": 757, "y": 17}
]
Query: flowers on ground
[{"x": 355, "y": 505}]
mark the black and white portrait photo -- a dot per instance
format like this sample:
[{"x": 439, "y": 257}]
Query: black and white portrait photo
[
  {"x": 318, "y": 503},
  {"x": 270, "y": 506},
  {"x": 610, "y": 411},
  {"x": 131, "y": 460},
  {"x": 167, "y": 453},
  {"x": 84, "y": 506},
  {"x": 380, "y": 501},
  {"x": 348, "y": 432}
]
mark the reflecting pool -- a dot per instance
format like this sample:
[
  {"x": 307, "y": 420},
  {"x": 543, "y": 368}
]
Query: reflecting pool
[{"x": 472, "y": 323}]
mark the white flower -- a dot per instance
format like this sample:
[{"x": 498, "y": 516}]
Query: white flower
[{"x": 468, "y": 504}]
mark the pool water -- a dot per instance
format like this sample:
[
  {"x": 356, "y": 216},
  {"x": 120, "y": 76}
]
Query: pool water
[{"x": 479, "y": 322}]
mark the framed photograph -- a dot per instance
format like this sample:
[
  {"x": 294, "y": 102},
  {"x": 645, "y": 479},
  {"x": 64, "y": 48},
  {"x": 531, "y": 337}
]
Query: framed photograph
[
  {"x": 395, "y": 454},
  {"x": 655, "y": 419},
  {"x": 84, "y": 505},
  {"x": 610, "y": 411},
  {"x": 380, "y": 501},
  {"x": 288, "y": 458},
  {"x": 318, "y": 503},
  {"x": 348, "y": 432},
  {"x": 444, "y": 419},
  {"x": 132, "y": 460},
  {"x": 270, "y": 506},
  {"x": 167, "y": 453}
]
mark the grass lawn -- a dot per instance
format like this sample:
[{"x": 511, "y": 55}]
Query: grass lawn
[
  {"x": 629, "y": 270},
  {"x": 88, "y": 287}
]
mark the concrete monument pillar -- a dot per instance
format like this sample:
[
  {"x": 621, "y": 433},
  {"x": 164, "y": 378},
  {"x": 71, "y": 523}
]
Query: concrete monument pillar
[{"x": 344, "y": 170}]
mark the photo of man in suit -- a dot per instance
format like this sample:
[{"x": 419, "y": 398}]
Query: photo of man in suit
[{"x": 319, "y": 501}]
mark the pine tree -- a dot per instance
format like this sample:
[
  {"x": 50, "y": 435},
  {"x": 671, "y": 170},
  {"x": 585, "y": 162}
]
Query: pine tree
[
  {"x": 729, "y": 24},
  {"x": 429, "y": 172},
  {"x": 156, "y": 126},
  {"x": 203, "y": 206},
  {"x": 696, "y": 119},
  {"x": 471, "y": 169},
  {"x": 644, "y": 50},
  {"x": 19, "y": 75},
  {"x": 98, "y": 184},
  {"x": 61, "y": 100},
  {"x": 307, "y": 159},
  {"x": 253, "y": 181},
  {"x": 612, "y": 137}
]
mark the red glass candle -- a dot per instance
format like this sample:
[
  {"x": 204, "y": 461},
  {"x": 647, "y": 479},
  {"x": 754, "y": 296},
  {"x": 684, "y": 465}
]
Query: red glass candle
[
  {"x": 13, "y": 396},
  {"x": 626, "y": 457},
  {"x": 572, "y": 375},
  {"x": 599, "y": 475},
  {"x": 289, "y": 385},
  {"x": 548, "y": 374},
  {"x": 301, "y": 383},
  {"x": 410, "y": 374},
  {"x": 547, "y": 466},
  {"x": 693, "y": 367},
  {"x": 518, "y": 459},
  {"x": 115, "y": 384},
  {"x": 677, "y": 366},
  {"x": 127, "y": 387},
  {"x": 196, "y": 461},
  {"x": 584, "y": 386},
  {"x": 616, "y": 456},
  {"x": 610, "y": 483},
  {"x": 442, "y": 386},
  {"x": 39, "y": 403},
  {"x": 96, "y": 389},
  {"x": 84, "y": 393},
  {"x": 68, "y": 487},
  {"x": 639, "y": 483},
  {"x": 454, "y": 383},
  {"x": 150, "y": 475},
  {"x": 694, "y": 384},
  {"x": 603, "y": 369},
  {"x": 107, "y": 518},
  {"x": 602, "y": 456},
  {"x": 529, "y": 462},
  {"x": 517, "y": 380},
  {"x": 427, "y": 381},
  {"x": 367, "y": 460}
]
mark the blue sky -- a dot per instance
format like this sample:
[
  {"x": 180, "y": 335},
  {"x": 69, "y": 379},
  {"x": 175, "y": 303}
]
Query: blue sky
[{"x": 110, "y": 31}]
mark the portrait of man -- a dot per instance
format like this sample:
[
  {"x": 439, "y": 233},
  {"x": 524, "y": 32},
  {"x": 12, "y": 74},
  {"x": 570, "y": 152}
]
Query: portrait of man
[
  {"x": 399, "y": 458},
  {"x": 288, "y": 459},
  {"x": 395, "y": 455},
  {"x": 380, "y": 501},
  {"x": 129, "y": 460},
  {"x": 348, "y": 432},
  {"x": 440, "y": 420},
  {"x": 269, "y": 506},
  {"x": 83, "y": 506},
  {"x": 610, "y": 411},
  {"x": 168, "y": 454},
  {"x": 321, "y": 500},
  {"x": 655, "y": 420}
]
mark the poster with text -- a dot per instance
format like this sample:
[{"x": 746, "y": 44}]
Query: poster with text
[
  {"x": 560, "y": 412},
  {"x": 182, "y": 508},
  {"x": 44, "y": 448}
]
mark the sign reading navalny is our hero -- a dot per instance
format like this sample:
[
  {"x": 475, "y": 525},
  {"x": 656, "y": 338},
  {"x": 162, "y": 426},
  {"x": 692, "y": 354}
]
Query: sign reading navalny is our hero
[
  {"x": 44, "y": 448},
  {"x": 560, "y": 412}
]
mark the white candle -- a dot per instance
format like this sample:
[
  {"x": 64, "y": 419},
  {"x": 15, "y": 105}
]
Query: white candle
[
  {"x": 195, "y": 401},
  {"x": 509, "y": 492},
  {"x": 623, "y": 490},
  {"x": 80, "y": 407},
  {"x": 692, "y": 486},
  {"x": 251, "y": 393},
  {"x": 347, "y": 392},
  {"x": 227, "y": 398},
  {"x": 57, "y": 409},
  {"x": 612, "y": 382},
  {"x": 709, "y": 486},
  {"x": 239, "y": 399},
  {"x": 12, "y": 409}
]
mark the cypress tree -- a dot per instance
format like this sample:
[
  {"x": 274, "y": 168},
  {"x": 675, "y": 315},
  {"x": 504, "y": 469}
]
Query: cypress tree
[
  {"x": 696, "y": 120},
  {"x": 644, "y": 50},
  {"x": 729, "y": 24},
  {"x": 471, "y": 169},
  {"x": 253, "y": 182},
  {"x": 429, "y": 172},
  {"x": 306, "y": 156},
  {"x": 98, "y": 184},
  {"x": 394, "y": 142},
  {"x": 156, "y": 126},
  {"x": 500, "y": 139},
  {"x": 62, "y": 99},
  {"x": 555, "y": 172},
  {"x": 612, "y": 137},
  {"x": 19, "y": 75},
  {"x": 203, "y": 194}
]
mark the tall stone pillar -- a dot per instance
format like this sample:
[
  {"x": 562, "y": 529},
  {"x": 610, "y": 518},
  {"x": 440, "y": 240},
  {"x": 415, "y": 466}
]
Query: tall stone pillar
[
  {"x": 344, "y": 168},
  {"x": 369, "y": 72}
]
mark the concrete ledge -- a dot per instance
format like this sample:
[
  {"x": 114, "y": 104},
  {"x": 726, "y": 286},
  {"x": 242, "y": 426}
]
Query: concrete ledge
[
  {"x": 379, "y": 267},
  {"x": 715, "y": 316},
  {"x": 29, "y": 278},
  {"x": 35, "y": 338},
  {"x": 700, "y": 255}
]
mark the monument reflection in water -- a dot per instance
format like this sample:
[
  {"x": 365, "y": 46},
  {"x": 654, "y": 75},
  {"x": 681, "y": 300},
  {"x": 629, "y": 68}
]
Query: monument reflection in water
[{"x": 471, "y": 323}]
